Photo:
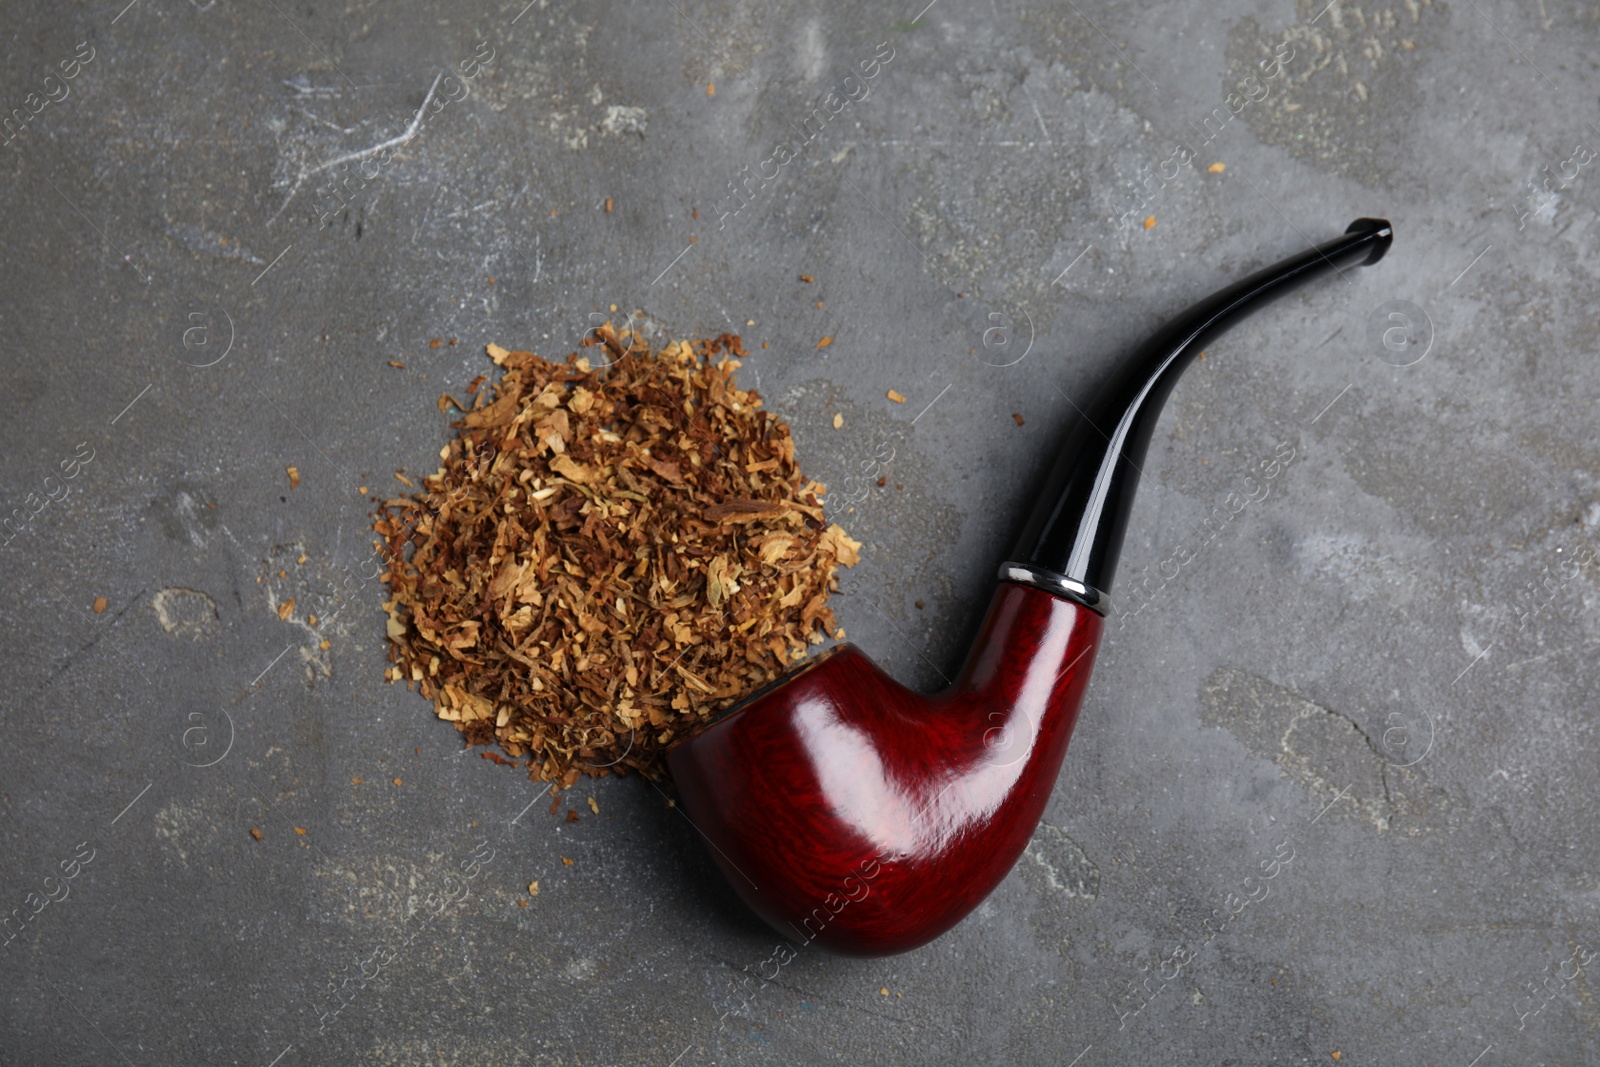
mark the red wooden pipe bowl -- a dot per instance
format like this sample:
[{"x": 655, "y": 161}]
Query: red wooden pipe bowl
[{"x": 851, "y": 812}]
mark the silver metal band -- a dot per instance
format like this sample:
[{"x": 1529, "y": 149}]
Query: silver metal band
[{"x": 1056, "y": 585}]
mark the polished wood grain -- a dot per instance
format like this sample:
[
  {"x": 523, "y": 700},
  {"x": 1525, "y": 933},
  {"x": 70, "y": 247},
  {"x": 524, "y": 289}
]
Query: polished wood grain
[{"x": 852, "y": 813}]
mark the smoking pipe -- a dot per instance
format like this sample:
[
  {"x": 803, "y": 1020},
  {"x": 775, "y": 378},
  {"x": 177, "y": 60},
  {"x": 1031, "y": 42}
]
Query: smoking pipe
[{"x": 851, "y": 812}]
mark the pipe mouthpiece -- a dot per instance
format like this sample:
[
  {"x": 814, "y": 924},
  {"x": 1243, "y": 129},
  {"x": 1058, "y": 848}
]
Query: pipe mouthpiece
[{"x": 1382, "y": 237}]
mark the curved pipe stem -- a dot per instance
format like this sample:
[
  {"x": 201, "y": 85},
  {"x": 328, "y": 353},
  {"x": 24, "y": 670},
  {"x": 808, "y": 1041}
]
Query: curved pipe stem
[{"x": 1076, "y": 531}]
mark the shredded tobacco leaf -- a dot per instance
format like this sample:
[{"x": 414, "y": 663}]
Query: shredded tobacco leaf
[{"x": 608, "y": 556}]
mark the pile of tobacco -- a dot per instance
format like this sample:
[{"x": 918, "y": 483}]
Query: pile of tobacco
[{"x": 612, "y": 552}]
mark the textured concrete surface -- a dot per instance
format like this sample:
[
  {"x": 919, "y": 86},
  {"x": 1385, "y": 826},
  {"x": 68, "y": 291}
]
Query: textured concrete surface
[{"x": 1331, "y": 793}]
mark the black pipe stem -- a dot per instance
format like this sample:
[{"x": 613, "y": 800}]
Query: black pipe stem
[{"x": 1076, "y": 531}]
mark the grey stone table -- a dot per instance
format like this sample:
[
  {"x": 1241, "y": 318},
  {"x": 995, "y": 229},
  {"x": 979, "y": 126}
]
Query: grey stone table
[{"x": 1331, "y": 794}]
